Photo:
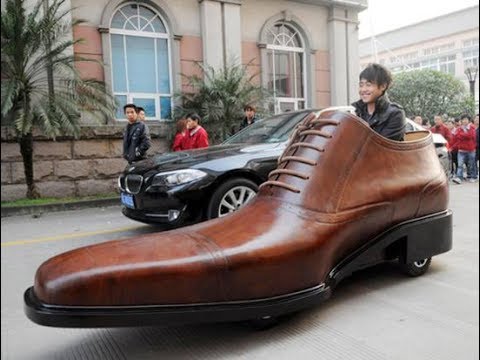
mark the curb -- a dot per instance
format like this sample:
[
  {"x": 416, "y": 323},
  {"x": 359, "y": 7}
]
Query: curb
[{"x": 74, "y": 205}]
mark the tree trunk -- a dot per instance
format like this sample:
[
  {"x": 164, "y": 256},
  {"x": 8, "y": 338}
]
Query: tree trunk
[
  {"x": 48, "y": 45},
  {"x": 26, "y": 148}
]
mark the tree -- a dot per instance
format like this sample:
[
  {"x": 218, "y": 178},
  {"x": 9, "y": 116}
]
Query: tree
[
  {"x": 219, "y": 98},
  {"x": 428, "y": 93},
  {"x": 34, "y": 46}
]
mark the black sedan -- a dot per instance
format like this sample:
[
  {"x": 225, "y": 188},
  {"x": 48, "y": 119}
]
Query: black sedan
[{"x": 191, "y": 186}]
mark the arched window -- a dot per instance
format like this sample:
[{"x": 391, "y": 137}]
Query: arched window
[
  {"x": 141, "y": 69},
  {"x": 285, "y": 67}
]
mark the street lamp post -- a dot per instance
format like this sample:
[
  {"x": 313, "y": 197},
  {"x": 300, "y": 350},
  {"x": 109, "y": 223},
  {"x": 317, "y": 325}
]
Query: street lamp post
[{"x": 471, "y": 73}]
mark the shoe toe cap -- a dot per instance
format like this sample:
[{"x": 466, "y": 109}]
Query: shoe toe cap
[{"x": 148, "y": 270}]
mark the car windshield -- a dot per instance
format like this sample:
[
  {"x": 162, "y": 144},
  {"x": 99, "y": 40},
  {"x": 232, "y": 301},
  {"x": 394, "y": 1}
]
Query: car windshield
[{"x": 272, "y": 130}]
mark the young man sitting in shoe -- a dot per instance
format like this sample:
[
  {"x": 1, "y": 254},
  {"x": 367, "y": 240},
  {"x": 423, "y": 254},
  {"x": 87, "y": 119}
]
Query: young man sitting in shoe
[{"x": 384, "y": 117}]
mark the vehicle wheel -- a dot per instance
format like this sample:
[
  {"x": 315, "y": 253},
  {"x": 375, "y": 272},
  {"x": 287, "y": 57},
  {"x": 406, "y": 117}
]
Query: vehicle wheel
[
  {"x": 417, "y": 268},
  {"x": 264, "y": 323},
  {"x": 231, "y": 196}
]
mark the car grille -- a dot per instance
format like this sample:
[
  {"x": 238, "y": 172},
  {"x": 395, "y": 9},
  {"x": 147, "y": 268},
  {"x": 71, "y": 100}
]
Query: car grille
[{"x": 133, "y": 183}]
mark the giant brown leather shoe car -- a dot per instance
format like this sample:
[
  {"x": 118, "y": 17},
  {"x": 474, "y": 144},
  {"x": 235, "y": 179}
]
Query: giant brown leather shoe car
[{"x": 342, "y": 198}]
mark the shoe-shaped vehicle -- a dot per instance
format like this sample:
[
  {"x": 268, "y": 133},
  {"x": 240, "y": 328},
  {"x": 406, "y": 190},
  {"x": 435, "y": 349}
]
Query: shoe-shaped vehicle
[{"x": 342, "y": 198}]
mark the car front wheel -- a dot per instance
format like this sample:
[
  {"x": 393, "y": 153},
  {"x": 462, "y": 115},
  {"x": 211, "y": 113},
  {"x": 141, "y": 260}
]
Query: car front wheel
[{"x": 231, "y": 196}]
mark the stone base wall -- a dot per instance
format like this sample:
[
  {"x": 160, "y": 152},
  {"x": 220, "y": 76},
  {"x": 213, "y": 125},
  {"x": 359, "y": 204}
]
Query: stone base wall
[{"x": 66, "y": 167}]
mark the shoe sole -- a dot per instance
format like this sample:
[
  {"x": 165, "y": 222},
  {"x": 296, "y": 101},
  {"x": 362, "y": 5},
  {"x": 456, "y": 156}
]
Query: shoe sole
[{"x": 410, "y": 241}]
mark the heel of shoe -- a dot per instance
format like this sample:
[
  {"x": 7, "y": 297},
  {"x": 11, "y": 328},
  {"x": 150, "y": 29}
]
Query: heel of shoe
[
  {"x": 427, "y": 237},
  {"x": 412, "y": 242}
]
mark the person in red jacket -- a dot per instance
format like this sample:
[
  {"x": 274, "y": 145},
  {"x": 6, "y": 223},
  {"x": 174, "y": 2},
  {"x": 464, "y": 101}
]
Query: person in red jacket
[
  {"x": 179, "y": 140},
  {"x": 465, "y": 142},
  {"x": 196, "y": 136},
  {"x": 441, "y": 128}
]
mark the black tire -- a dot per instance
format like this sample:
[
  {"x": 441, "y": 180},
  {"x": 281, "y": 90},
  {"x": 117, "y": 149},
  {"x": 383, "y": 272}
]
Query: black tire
[
  {"x": 416, "y": 268},
  {"x": 223, "y": 190},
  {"x": 263, "y": 323}
]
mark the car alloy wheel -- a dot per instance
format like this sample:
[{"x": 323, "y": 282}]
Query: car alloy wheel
[
  {"x": 230, "y": 196},
  {"x": 235, "y": 199}
]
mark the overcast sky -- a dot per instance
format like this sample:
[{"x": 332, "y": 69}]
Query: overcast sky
[{"x": 385, "y": 15}]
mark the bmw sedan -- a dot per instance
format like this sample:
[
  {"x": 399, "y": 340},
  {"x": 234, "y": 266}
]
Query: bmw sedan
[{"x": 191, "y": 186}]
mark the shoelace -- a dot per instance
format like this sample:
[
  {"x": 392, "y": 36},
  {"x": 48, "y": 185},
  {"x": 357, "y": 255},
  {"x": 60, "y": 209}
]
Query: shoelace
[{"x": 297, "y": 141}]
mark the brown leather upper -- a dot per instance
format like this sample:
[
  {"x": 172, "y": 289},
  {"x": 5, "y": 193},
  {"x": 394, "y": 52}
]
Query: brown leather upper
[{"x": 338, "y": 184}]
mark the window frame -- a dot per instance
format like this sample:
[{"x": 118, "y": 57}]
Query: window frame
[
  {"x": 303, "y": 50},
  {"x": 142, "y": 34},
  {"x": 469, "y": 57}
]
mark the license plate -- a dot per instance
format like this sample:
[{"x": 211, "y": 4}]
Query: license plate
[{"x": 127, "y": 200}]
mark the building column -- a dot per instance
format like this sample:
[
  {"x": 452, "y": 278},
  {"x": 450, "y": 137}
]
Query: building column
[
  {"x": 344, "y": 61},
  {"x": 221, "y": 32},
  {"x": 232, "y": 32}
]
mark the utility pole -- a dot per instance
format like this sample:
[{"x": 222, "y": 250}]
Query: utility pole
[{"x": 471, "y": 73}]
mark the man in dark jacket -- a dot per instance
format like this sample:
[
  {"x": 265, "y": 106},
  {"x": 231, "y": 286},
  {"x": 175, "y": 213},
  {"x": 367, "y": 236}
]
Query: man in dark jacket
[
  {"x": 136, "y": 141},
  {"x": 384, "y": 117},
  {"x": 249, "y": 118}
]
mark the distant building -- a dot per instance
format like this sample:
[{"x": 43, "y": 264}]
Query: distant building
[{"x": 448, "y": 43}]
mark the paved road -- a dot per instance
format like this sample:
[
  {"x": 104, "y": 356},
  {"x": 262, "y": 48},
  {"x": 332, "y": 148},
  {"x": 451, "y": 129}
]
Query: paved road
[{"x": 375, "y": 314}]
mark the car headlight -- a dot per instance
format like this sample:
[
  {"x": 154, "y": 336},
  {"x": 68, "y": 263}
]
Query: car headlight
[{"x": 178, "y": 177}]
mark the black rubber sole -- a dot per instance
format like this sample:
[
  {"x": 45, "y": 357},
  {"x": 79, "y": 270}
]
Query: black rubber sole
[
  {"x": 410, "y": 241},
  {"x": 166, "y": 315}
]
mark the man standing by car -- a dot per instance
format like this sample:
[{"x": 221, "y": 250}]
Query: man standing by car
[
  {"x": 136, "y": 141},
  {"x": 249, "y": 118},
  {"x": 384, "y": 117},
  {"x": 141, "y": 117},
  {"x": 196, "y": 136}
]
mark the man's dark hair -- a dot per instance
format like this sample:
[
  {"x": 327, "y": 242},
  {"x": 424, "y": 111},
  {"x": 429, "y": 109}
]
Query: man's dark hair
[
  {"x": 125, "y": 107},
  {"x": 193, "y": 116},
  {"x": 249, "y": 107},
  {"x": 377, "y": 74},
  {"x": 465, "y": 116},
  {"x": 139, "y": 108}
]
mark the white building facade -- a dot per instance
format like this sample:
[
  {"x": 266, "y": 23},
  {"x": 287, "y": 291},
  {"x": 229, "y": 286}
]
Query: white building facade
[
  {"x": 447, "y": 43},
  {"x": 304, "y": 51}
]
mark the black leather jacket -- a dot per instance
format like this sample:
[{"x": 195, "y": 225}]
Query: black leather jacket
[
  {"x": 245, "y": 123},
  {"x": 136, "y": 142},
  {"x": 388, "y": 119}
]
